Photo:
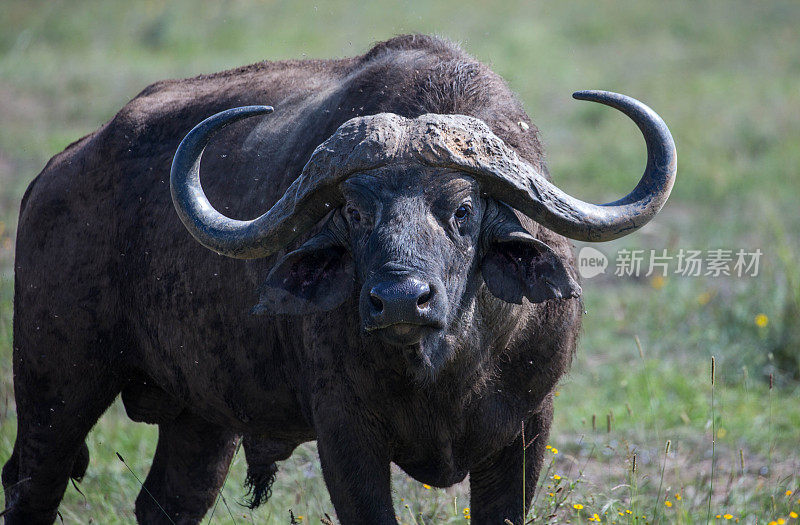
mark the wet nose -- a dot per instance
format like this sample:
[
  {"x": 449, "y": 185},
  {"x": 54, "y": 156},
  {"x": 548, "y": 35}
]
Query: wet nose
[{"x": 400, "y": 301}]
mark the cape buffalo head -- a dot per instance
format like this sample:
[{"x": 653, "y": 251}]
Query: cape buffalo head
[{"x": 420, "y": 214}]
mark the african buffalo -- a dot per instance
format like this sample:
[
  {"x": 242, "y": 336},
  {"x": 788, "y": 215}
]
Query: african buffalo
[{"x": 419, "y": 288}]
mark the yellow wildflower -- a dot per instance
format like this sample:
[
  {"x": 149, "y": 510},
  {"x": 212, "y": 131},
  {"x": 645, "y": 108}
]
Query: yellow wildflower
[
  {"x": 761, "y": 320},
  {"x": 426, "y": 486},
  {"x": 704, "y": 298},
  {"x": 551, "y": 494},
  {"x": 577, "y": 506},
  {"x": 548, "y": 447},
  {"x": 556, "y": 477},
  {"x": 728, "y": 516},
  {"x": 466, "y": 510},
  {"x": 773, "y": 522},
  {"x": 678, "y": 496},
  {"x": 781, "y": 521},
  {"x": 668, "y": 503},
  {"x": 788, "y": 492},
  {"x": 793, "y": 514},
  {"x": 628, "y": 512},
  {"x": 554, "y": 450},
  {"x": 300, "y": 518}
]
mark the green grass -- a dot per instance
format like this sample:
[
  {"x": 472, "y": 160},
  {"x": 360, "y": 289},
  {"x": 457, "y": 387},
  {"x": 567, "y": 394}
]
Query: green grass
[{"x": 724, "y": 76}]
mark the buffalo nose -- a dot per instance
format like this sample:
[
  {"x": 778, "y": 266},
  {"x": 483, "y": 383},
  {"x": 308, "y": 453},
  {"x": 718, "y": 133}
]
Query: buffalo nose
[{"x": 400, "y": 301}]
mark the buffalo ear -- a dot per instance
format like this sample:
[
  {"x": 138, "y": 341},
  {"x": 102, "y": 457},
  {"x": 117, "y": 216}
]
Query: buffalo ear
[
  {"x": 517, "y": 265},
  {"x": 316, "y": 277}
]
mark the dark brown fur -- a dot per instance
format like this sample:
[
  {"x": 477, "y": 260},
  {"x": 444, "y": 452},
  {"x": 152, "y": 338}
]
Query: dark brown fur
[{"x": 113, "y": 295}]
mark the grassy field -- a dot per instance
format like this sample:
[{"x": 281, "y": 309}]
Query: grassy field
[{"x": 724, "y": 75}]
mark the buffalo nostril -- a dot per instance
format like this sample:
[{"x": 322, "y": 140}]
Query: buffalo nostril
[
  {"x": 424, "y": 299},
  {"x": 376, "y": 302}
]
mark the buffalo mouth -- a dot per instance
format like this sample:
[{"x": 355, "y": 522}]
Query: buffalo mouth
[{"x": 403, "y": 334}]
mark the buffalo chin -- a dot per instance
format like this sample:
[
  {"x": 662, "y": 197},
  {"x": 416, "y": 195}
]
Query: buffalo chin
[{"x": 424, "y": 348}]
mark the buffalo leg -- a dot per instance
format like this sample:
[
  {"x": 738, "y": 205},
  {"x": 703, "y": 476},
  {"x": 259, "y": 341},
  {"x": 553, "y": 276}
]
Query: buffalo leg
[
  {"x": 356, "y": 472},
  {"x": 496, "y": 486},
  {"x": 56, "y": 409},
  {"x": 191, "y": 460}
]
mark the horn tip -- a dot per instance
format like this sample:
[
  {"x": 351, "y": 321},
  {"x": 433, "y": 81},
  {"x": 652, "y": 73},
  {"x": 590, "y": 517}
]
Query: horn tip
[
  {"x": 591, "y": 94},
  {"x": 259, "y": 109},
  {"x": 246, "y": 111}
]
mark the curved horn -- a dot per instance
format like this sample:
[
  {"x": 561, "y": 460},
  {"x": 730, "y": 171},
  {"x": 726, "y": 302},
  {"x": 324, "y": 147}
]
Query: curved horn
[
  {"x": 297, "y": 210},
  {"x": 508, "y": 178},
  {"x": 626, "y": 215},
  {"x": 211, "y": 228},
  {"x": 355, "y": 145}
]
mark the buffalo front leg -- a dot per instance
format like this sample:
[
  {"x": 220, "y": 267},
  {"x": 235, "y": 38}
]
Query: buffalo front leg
[
  {"x": 191, "y": 462},
  {"x": 355, "y": 465},
  {"x": 496, "y": 486}
]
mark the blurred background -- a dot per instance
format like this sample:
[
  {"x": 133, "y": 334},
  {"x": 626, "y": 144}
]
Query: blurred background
[{"x": 725, "y": 76}]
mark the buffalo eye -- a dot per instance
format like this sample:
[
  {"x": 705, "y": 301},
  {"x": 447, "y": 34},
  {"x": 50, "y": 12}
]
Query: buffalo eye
[
  {"x": 462, "y": 212},
  {"x": 354, "y": 215}
]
